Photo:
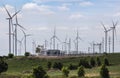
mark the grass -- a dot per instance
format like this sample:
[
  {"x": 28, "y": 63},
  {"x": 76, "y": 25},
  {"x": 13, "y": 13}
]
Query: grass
[{"x": 20, "y": 66}]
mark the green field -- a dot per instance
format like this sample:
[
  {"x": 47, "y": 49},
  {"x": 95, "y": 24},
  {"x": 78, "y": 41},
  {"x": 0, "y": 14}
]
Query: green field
[{"x": 19, "y": 67}]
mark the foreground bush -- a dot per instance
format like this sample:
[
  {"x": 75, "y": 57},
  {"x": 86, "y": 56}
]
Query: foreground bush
[
  {"x": 92, "y": 62},
  {"x": 65, "y": 71},
  {"x": 39, "y": 72},
  {"x": 106, "y": 62},
  {"x": 3, "y": 66},
  {"x": 81, "y": 72},
  {"x": 104, "y": 73},
  {"x": 84, "y": 63},
  {"x": 72, "y": 67},
  {"x": 57, "y": 65},
  {"x": 49, "y": 65},
  {"x": 98, "y": 61}
]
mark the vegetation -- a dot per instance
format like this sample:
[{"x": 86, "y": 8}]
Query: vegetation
[
  {"x": 39, "y": 72},
  {"x": 3, "y": 66},
  {"x": 57, "y": 65},
  {"x": 10, "y": 55},
  {"x": 81, "y": 72},
  {"x": 49, "y": 65},
  {"x": 27, "y": 54},
  {"x": 21, "y": 67},
  {"x": 65, "y": 71},
  {"x": 104, "y": 73},
  {"x": 98, "y": 61},
  {"x": 92, "y": 62},
  {"x": 106, "y": 62}
]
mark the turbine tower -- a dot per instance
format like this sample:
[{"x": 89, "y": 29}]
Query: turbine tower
[
  {"x": 77, "y": 42},
  {"x": 106, "y": 35},
  {"x": 53, "y": 38},
  {"x": 10, "y": 24},
  {"x": 16, "y": 27},
  {"x": 113, "y": 33},
  {"x": 25, "y": 38}
]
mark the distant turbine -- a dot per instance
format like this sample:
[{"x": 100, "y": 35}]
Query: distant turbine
[
  {"x": 77, "y": 42},
  {"x": 106, "y": 34},
  {"x": 114, "y": 32},
  {"x": 25, "y": 40},
  {"x": 54, "y": 37}
]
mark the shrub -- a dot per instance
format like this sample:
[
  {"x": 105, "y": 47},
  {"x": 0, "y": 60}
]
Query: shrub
[
  {"x": 10, "y": 55},
  {"x": 92, "y": 62},
  {"x": 98, "y": 61},
  {"x": 81, "y": 72},
  {"x": 3, "y": 66},
  {"x": 39, "y": 72},
  {"x": 106, "y": 62},
  {"x": 72, "y": 67},
  {"x": 27, "y": 54},
  {"x": 104, "y": 73},
  {"x": 46, "y": 76},
  {"x": 84, "y": 63},
  {"x": 65, "y": 71},
  {"x": 49, "y": 64},
  {"x": 57, "y": 65}
]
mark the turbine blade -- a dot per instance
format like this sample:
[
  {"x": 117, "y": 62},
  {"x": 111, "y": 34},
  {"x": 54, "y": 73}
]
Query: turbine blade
[
  {"x": 104, "y": 26},
  {"x": 15, "y": 13},
  {"x": 7, "y": 12},
  {"x": 21, "y": 26}
]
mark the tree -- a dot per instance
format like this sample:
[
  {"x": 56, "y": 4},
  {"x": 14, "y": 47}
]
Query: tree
[
  {"x": 49, "y": 64},
  {"x": 106, "y": 62},
  {"x": 72, "y": 67},
  {"x": 104, "y": 72},
  {"x": 98, "y": 61},
  {"x": 10, "y": 55},
  {"x": 92, "y": 62},
  {"x": 39, "y": 72},
  {"x": 3, "y": 66},
  {"x": 65, "y": 71},
  {"x": 27, "y": 54},
  {"x": 81, "y": 72},
  {"x": 57, "y": 65},
  {"x": 38, "y": 49},
  {"x": 84, "y": 63}
]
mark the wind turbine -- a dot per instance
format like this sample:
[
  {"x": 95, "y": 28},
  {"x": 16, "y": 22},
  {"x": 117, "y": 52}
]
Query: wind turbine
[
  {"x": 25, "y": 40},
  {"x": 20, "y": 45},
  {"x": 113, "y": 33},
  {"x": 16, "y": 26},
  {"x": 106, "y": 35},
  {"x": 10, "y": 24},
  {"x": 77, "y": 42},
  {"x": 54, "y": 37}
]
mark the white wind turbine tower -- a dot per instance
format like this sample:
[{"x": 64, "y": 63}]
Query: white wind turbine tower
[
  {"x": 113, "y": 33},
  {"x": 25, "y": 38},
  {"x": 65, "y": 45},
  {"x": 106, "y": 35},
  {"x": 16, "y": 27},
  {"x": 77, "y": 42},
  {"x": 10, "y": 26},
  {"x": 53, "y": 38}
]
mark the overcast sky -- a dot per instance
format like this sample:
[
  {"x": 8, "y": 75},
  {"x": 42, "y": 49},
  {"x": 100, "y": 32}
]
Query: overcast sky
[{"x": 40, "y": 17}]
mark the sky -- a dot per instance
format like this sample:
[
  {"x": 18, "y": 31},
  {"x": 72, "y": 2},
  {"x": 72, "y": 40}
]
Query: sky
[{"x": 40, "y": 17}]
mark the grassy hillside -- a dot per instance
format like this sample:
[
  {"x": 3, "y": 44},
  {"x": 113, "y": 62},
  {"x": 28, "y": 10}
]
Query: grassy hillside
[{"x": 19, "y": 66}]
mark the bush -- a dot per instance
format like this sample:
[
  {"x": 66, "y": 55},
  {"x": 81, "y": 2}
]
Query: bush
[
  {"x": 72, "y": 67},
  {"x": 27, "y": 54},
  {"x": 92, "y": 62},
  {"x": 57, "y": 65},
  {"x": 104, "y": 73},
  {"x": 84, "y": 63},
  {"x": 10, "y": 55},
  {"x": 106, "y": 62},
  {"x": 49, "y": 64},
  {"x": 81, "y": 72},
  {"x": 65, "y": 71},
  {"x": 39, "y": 72},
  {"x": 46, "y": 76},
  {"x": 3, "y": 66},
  {"x": 98, "y": 61}
]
